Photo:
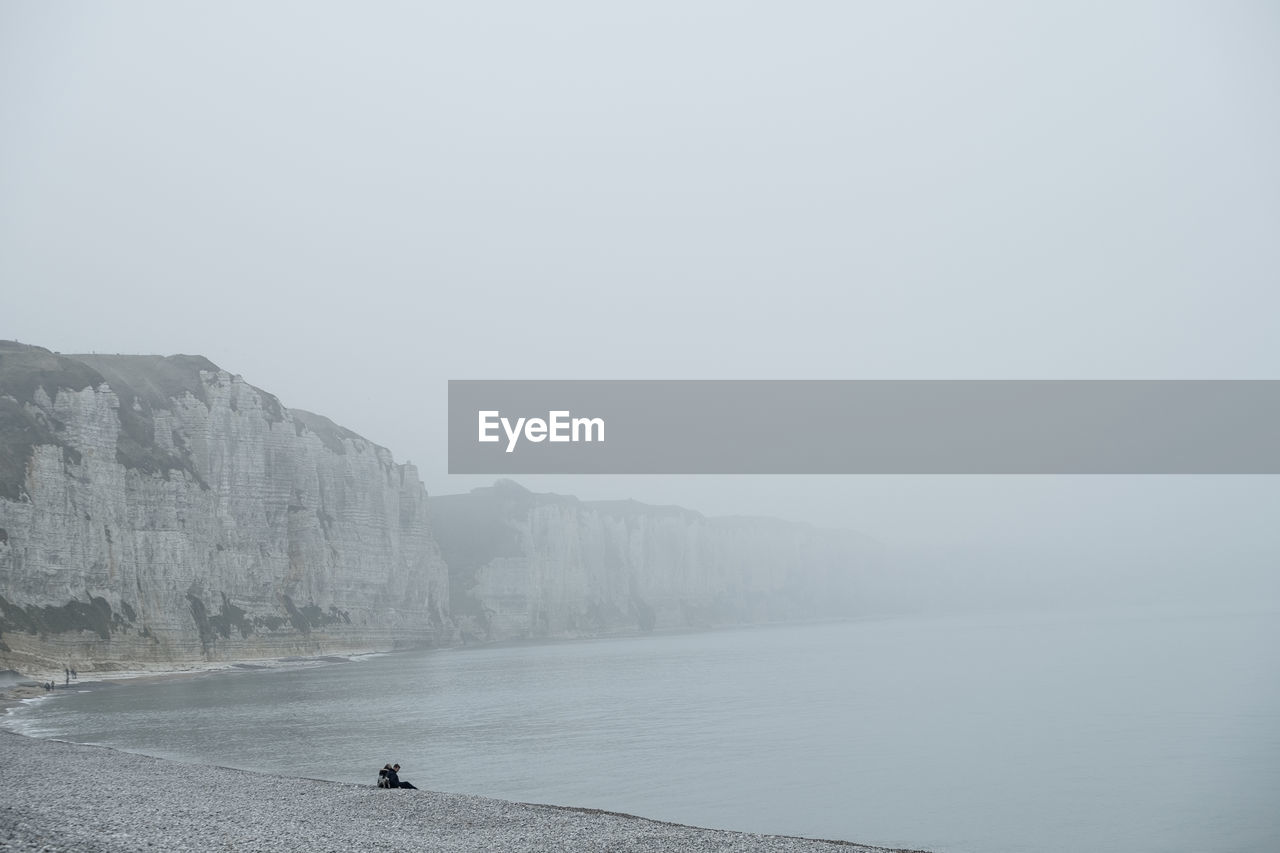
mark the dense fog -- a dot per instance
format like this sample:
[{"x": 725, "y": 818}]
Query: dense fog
[{"x": 352, "y": 206}]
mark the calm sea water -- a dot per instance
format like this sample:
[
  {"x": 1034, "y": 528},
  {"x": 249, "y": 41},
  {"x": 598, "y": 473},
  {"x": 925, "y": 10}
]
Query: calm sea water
[{"x": 1134, "y": 731}]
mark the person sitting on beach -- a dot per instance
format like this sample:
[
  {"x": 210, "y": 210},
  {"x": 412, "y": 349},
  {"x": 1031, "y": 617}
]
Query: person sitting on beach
[
  {"x": 393, "y": 778},
  {"x": 383, "y": 780}
]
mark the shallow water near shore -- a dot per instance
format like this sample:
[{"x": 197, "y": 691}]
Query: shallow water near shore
[{"x": 1149, "y": 729}]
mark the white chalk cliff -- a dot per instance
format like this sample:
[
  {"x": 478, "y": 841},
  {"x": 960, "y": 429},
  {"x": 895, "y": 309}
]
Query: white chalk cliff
[
  {"x": 527, "y": 566},
  {"x": 160, "y": 510},
  {"x": 163, "y": 510}
]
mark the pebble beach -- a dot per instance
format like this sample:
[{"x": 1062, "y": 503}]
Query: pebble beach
[{"x": 58, "y": 796}]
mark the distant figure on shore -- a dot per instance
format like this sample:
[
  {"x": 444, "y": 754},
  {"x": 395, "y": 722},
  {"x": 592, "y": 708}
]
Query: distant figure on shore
[
  {"x": 73, "y": 674},
  {"x": 389, "y": 777}
]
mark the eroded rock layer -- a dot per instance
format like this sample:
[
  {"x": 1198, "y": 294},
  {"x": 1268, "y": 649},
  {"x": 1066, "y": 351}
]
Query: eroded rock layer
[{"x": 160, "y": 509}]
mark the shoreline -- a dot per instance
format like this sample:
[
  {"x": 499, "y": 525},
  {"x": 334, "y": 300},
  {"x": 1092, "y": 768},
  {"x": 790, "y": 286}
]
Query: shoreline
[
  {"x": 121, "y": 791},
  {"x": 20, "y": 691},
  {"x": 28, "y": 685},
  {"x": 74, "y": 797}
]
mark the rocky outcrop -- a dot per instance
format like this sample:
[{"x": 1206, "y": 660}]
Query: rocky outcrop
[
  {"x": 525, "y": 565},
  {"x": 163, "y": 510}
]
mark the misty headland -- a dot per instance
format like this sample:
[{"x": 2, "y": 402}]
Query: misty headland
[{"x": 160, "y": 510}]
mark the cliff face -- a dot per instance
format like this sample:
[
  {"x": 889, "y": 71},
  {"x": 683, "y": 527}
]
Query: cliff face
[
  {"x": 524, "y": 565},
  {"x": 161, "y": 509}
]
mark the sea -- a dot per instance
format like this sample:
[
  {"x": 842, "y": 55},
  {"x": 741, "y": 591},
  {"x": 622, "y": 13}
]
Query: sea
[{"x": 1112, "y": 731}]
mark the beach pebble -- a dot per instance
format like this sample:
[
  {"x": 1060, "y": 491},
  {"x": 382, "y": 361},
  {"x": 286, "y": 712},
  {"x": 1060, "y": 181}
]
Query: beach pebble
[{"x": 67, "y": 797}]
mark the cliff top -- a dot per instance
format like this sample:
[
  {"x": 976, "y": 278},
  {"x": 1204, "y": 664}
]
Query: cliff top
[
  {"x": 144, "y": 383},
  {"x": 23, "y": 370},
  {"x": 515, "y": 497},
  {"x": 331, "y": 434}
]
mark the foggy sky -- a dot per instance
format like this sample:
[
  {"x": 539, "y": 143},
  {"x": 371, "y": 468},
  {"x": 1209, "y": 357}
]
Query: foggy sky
[{"x": 350, "y": 204}]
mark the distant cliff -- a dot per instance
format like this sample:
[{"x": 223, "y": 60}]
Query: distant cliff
[
  {"x": 160, "y": 509},
  {"x": 525, "y": 565}
]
